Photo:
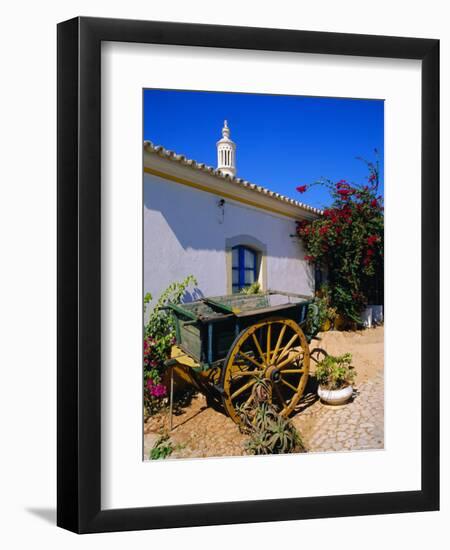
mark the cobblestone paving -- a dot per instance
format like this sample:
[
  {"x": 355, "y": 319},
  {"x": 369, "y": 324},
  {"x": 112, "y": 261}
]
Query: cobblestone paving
[{"x": 357, "y": 425}]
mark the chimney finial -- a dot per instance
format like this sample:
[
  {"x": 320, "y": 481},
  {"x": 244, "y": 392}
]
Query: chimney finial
[{"x": 226, "y": 152}]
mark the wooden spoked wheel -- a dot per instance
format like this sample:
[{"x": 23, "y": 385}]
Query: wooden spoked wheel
[{"x": 267, "y": 361}]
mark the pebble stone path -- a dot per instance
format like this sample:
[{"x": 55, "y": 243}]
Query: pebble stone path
[{"x": 358, "y": 425}]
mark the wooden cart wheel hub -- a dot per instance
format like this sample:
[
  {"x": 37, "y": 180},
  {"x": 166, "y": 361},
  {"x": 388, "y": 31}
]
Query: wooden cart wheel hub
[{"x": 273, "y": 350}]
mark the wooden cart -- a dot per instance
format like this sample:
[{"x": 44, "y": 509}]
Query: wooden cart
[{"x": 229, "y": 343}]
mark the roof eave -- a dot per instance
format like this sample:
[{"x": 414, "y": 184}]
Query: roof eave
[{"x": 179, "y": 167}]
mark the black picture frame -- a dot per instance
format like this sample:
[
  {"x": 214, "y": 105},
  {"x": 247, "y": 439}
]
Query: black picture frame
[{"x": 79, "y": 278}]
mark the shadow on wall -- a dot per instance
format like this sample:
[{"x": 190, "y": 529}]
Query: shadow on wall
[
  {"x": 196, "y": 294},
  {"x": 309, "y": 273},
  {"x": 188, "y": 296},
  {"x": 197, "y": 221}
]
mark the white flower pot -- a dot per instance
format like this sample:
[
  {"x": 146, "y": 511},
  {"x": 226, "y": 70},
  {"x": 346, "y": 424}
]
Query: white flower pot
[
  {"x": 377, "y": 315},
  {"x": 335, "y": 397},
  {"x": 366, "y": 316}
]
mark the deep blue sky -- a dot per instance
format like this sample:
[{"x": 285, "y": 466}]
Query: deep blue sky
[{"x": 282, "y": 141}]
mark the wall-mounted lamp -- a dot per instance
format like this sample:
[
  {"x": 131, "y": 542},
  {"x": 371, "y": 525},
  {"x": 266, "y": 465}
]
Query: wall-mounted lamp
[{"x": 221, "y": 206}]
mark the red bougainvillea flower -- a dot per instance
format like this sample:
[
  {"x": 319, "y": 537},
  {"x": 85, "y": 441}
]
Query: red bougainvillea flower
[
  {"x": 348, "y": 238},
  {"x": 301, "y": 188},
  {"x": 342, "y": 184}
]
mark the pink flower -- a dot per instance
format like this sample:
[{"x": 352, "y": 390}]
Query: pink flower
[{"x": 158, "y": 390}]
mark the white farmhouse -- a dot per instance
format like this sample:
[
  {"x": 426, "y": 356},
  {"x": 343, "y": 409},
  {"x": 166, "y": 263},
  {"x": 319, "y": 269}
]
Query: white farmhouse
[{"x": 225, "y": 231}]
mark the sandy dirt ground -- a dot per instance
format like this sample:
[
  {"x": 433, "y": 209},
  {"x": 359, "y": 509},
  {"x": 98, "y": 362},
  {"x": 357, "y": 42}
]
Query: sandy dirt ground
[
  {"x": 366, "y": 347},
  {"x": 200, "y": 430}
]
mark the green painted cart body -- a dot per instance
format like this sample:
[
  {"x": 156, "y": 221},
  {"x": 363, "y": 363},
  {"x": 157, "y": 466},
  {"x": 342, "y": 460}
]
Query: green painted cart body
[
  {"x": 234, "y": 345},
  {"x": 207, "y": 328}
]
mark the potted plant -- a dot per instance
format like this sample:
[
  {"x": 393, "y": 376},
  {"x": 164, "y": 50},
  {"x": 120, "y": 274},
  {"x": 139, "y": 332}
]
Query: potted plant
[
  {"x": 327, "y": 312},
  {"x": 335, "y": 376},
  {"x": 366, "y": 317}
]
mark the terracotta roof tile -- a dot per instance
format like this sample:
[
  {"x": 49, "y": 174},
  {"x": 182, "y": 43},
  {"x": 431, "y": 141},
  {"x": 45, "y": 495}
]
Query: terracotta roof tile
[{"x": 161, "y": 151}]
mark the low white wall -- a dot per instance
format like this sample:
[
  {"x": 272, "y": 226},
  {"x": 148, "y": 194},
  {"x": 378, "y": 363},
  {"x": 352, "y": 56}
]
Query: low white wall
[{"x": 185, "y": 233}]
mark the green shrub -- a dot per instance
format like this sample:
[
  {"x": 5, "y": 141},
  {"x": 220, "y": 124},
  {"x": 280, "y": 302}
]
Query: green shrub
[
  {"x": 159, "y": 336},
  {"x": 254, "y": 288},
  {"x": 162, "y": 448},
  {"x": 335, "y": 372},
  {"x": 272, "y": 434},
  {"x": 316, "y": 316},
  {"x": 269, "y": 432},
  {"x": 319, "y": 311}
]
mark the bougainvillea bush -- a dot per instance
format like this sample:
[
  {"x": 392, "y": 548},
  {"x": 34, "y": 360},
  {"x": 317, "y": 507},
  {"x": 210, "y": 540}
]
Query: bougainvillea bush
[
  {"x": 159, "y": 336},
  {"x": 347, "y": 241}
]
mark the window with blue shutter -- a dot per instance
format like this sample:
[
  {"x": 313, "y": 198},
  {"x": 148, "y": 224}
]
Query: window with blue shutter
[{"x": 244, "y": 267}]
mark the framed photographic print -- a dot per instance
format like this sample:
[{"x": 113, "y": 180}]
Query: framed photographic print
[{"x": 248, "y": 307}]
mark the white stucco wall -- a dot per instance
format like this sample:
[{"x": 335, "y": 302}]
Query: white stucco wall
[{"x": 185, "y": 233}]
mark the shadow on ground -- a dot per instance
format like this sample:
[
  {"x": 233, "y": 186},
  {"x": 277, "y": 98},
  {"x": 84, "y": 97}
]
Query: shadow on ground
[{"x": 46, "y": 514}]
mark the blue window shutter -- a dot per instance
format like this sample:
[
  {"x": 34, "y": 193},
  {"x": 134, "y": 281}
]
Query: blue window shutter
[{"x": 241, "y": 267}]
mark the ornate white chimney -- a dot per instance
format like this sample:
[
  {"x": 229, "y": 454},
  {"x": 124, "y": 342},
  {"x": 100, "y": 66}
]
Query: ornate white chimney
[{"x": 226, "y": 152}]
